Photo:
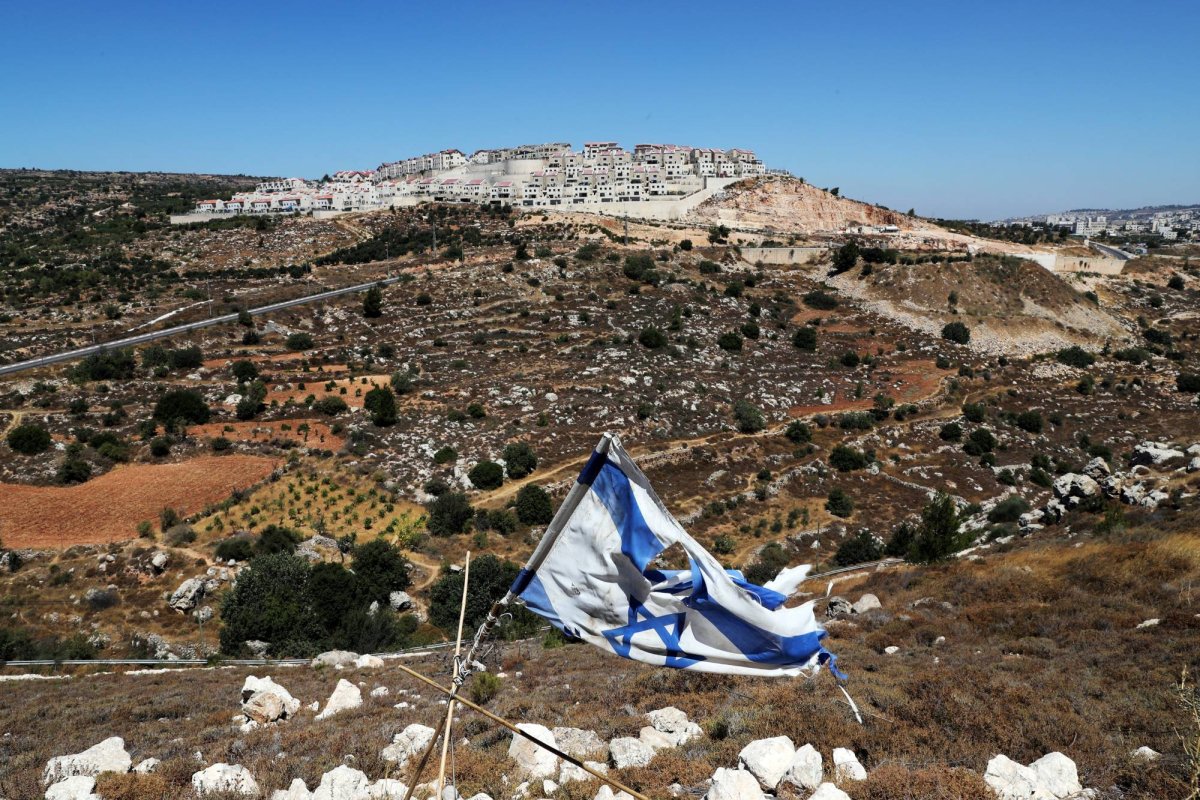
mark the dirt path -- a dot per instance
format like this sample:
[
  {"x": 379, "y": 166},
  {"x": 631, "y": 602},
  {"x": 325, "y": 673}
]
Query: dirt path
[{"x": 17, "y": 416}]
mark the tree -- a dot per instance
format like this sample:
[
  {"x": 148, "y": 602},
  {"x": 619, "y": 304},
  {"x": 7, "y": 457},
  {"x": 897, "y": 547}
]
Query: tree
[
  {"x": 956, "y": 332},
  {"x": 652, "y": 338},
  {"x": 244, "y": 319},
  {"x": 269, "y": 603},
  {"x": 901, "y": 541},
  {"x": 950, "y": 432},
  {"x": 252, "y": 401},
  {"x": 1075, "y": 356},
  {"x": 730, "y": 341},
  {"x": 798, "y": 432},
  {"x": 1187, "y": 382},
  {"x": 486, "y": 475},
  {"x": 333, "y": 593},
  {"x": 938, "y": 536},
  {"x": 276, "y": 539},
  {"x": 534, "y": 506},
  {"x": 299, "y": 341},
  {"x": 1030, "y": 421},
  {"x": 490, "y": 579},
  {"x": 974, "y": 412},
  {"x": 449, "y": 514},
  {"x": 805, "y": 338},
  {"x": 845, "y": 258},
  {"x": 381, "y": 569},
  {"x": 979, "y": 442},
  {"x": 402, "y": 382},
  {"x": 519, "y": 459},
  {"x": 373, "y": 303},
  {"x": 748, "y": 417},
  {"x": 244, "y": 371},
  {"x": 29, "y": 439},
  {"x": 863, "y": 546},
  {"x": 381, "y": 403},
  {"x": 771, "y": 559},
  {"x": 330, "y": 405},
  {"x": 181, "y": 404},
  {"x": 1176, "y": 282},
  {"x": 839, "y": 503},
  {"x": 847, "y": 459},
  {"x": 820, "y": 300}
]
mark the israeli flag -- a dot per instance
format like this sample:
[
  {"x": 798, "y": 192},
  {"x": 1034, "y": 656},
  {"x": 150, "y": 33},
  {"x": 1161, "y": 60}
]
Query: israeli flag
[{"x": 596, "y": 583}]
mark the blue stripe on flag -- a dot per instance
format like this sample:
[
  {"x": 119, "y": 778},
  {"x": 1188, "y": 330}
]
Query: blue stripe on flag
[
  {"x": 592, "y": 468},
  {"x": 638, "y": 542},
  {"x": 536, "y": 600}
]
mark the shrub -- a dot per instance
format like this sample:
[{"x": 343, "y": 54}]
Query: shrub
[
  {"x": 179, "y": 535},
  {"x": 109, "y": 365},
  {"x": 490, "y": 579},
  {"x": 381, "y": 569},
  {"x": 956, "y": 332},
  {"x": 29, "y": 439},
  {"x": 771, "y": 559},
  {"x": 484, "y": 686},
  {"x": 798, "y": 432},
  {"x": 724, "y": 544},
  {"x": 1030, "y": 421},
  {"x": 951, "y": 432},
  {"x": 847, "y": 459},
  {"x": 276, "y": 539},
  {"x": 849, "y": 359},
  {"x": 373, "y": 303},
  {"x": 73, "y": 469},
  {"x": 845, "y": 258},
  {"x": 820, "y": 300},
  {"x": 839, "y": 503},
  {"x": 185, "y": 358},
  {"x": 381, "y": 403},
  {"x": 805, "y": 338},
  {"x": 974, "y": 412},
  {"x": 748, "y": 417},
  {"x": 1009, "y": 509},
  {"x": 486, "y": 475},
  {"x": 1188, "y": 382},
  {"x": 244, "y": 371},
  {"x": 519, "y": 459},
  {"x": 938, "y": 536},
  {"x": 160, "y": 447},
  {"x": 730, "y": 341},
  {"x": 979, "y": 442},
  {"x": 750, "y": 330},
  {"x": 863, "y": 546},
  {"x": 1075, "y": 356},
  {"x": 181, "y": 404},
  {"x": 237, "y": 548},
  {"x": 220, "y": 444},
  {"x": 269, "y": 603},
  {"x": 449, "y": 514},
  {"x": 445, "y": 455},
  {"x": 402, "y": 382},
  {"x": 533, "y": 505},
  {"x": 1133, "y": 355},
  {"x": 900, "y": 541},
  {"x": 330, "y": 405},
  {"x": 299, "y": 341}
]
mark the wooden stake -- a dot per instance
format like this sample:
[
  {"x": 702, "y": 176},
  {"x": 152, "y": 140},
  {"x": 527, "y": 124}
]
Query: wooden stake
[
  {"x": 505, "y": 723},
  {"x": 462, "y": 615}
]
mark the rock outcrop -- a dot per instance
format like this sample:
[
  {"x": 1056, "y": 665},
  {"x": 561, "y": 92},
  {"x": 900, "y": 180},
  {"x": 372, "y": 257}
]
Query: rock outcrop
[
  {"x": 107, "y": 756},
  {"x": 226, "y": 778},
  {"x": 345, "y": 697}
]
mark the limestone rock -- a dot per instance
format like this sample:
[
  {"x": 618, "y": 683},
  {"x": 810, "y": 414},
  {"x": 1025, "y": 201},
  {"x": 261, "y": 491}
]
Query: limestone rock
[
  {"x": 868, "y": 602},
  {"x": 1145, "y": 753},
  {"x": 1075, "y": 485},
  {"x": 578, "y": 742},
  {"x": 255, "y": 702},
  {"x": 806, "y": 770},
  {"x": 570, "y": 772},
  {"x": 768, "y": 760},
  {"x": 399, "y": 601},
  {"x": 675, "y": 725},
  {"x": 387, "y": 789},
  {"x": 838, "y": 607},
  {"x": 1097, "y": 469},
  {"x": 410, "y": 742},
  {"x": 1057, "y": 774},
  {"x": 263, "y": 707},
  {"x": 606, "y": 793},
  {"x": 1012, "y": 781},
  {"x": 733, "y": 784},
  {"x": 188, "y": 595},
  {"x": 335, "y": 658},
  {"x": 107, "y": 756},
  {"x": 228, "y": 778},
  {"x": 827, "y": 791},
  {"x": 656, "y": 740},
  {"x": 297, "y": 791},
  {"x": 532, "y": 760},
  {"x": 146, "y": 766},
  {"x": 368, "y": 662},
  {"x": 625, "y": 751},
  {"x": 846, "y": 766},
  {"x": 1155, "y": 454},
  {"x": 79, "y": 787},
  {"x": 342, "y": 783},
  {"x": 345, "y": 697}
]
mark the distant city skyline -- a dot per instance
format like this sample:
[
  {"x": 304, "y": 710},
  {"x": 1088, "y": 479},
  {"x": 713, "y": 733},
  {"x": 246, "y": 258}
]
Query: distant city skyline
[{"x": 955, "y": 110}]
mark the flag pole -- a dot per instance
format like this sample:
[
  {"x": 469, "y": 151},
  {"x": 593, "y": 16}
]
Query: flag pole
[
  {"x": 553, "y": 531},
  {"x": 462, "y": 669},
  {"x": 462, "y": 614}
]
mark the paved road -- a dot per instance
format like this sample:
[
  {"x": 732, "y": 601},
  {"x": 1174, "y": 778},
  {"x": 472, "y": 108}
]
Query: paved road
[
  {"x": 1109, "y": 250},
  {"x": 142, "y": 338}
]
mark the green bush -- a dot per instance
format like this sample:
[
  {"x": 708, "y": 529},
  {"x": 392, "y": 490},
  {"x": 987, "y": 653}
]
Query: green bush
[
  {"x": 445, "y": 455},
  {"x": 381, "y": 569},
  {"x": 1030, "y": 421},
  {"x": 805, "y": 338},
  {"x": 652, "y": 338},
  {"x": 974, "y": 412},
  {"x": 1075, "y": 356},
  {"x": 244, "y": 371},
  {"x": 533, "y": 505},
  {"x": 269, "y": 603},
  {"x": 820, "y": 300},
  {"x": 748, "y": 417},
  {"x": 951, "y": 432},
  {"x": 956, "y": 332},
  {"x": 1187, "y": 382},
  {"x": 519, "y": 459},
  {"x": 29, "y": 439},
  {"x": 276, "y": 539},
  {"x": 299, "y": 341},
  {"x": 798, "y": 432},
  {"x": 771, "y": 559},
  {"x": 237, "y": 548},
  {"x": 486, "y": 475},
  {"x": 839, "y": 503},
  {"x": 938, "y": 536},
  {"x": 484, "y": 686},
  {"x": 847, "y": 459},
  {"x": 380, "y": 402},
  {"x": 182, "y": 404},
  {"x": 449, "y": 514},
  {"x": 330, "y": 405},
  {"x": 862, "y": 547},
  {"x": 730, "y": 341},
  {"x": 1009, "y": 509}
]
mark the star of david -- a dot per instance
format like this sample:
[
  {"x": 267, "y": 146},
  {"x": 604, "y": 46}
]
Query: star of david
[{"x": 669, "y": 627}]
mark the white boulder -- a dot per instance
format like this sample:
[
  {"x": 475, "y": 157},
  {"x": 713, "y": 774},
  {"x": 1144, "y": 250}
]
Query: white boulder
[
  {"x": 297, "y": 791},
  {"x": 1057, "y": 774},
  {"x": 806, "y": 770},
  {"x": 407, "y": 743},
  {"x": 655, "y": 739},
  {"x": 868, "y": 602},
  {"x": 387, "y": 789},
  {"x": 768, "y": 760},
  {"x": 571, "y": 773},
  {"x": 846, "y": 766},
  {"x": 345, "y": 697},
  {"x": 1013, "y": 781},
  {"x": 1154, "y": 453},
  {"x": 257, "y": 687},
  {"x": 399, "y": 601},
  {"x": 675, "y": 725},
  {"x": 342, "y": 783},
  {"x": 733, "y": 784},
  {"x": 827, "y": 791},
  {"x": 227, "y": 778},
  {"x": 625, "y": 751},
  {"x": 368, "y": 662},
  {"x": 1145, "y": 753},
  {"x": 533, "y": 760},
  {"x": 578, "y": 742},
  {"x": 79, "y": 787},
  {"x": 188, "y": 595},
  {"x": 1075, "y": 485},
  {"x": 335, "y": 658},
  {"x": 107, "y": 756},
  {"x": 146, "y": 766},
  {"x": 606, "y": 793}
]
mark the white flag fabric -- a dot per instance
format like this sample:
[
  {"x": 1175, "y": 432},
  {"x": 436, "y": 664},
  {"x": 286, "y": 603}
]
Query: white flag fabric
[{"x": 596, "y": 584}]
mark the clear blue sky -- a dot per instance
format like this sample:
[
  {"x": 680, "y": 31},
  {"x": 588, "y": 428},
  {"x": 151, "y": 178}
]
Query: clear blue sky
[{"x": 955, "y": 108}]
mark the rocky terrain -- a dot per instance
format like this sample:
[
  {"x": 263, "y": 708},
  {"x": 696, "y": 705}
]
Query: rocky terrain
[{"x": 352, "y": 451}]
